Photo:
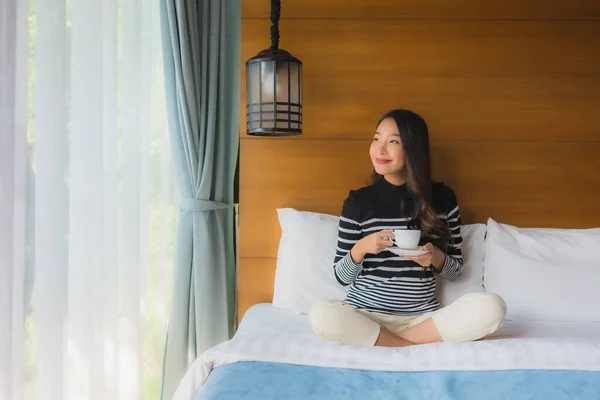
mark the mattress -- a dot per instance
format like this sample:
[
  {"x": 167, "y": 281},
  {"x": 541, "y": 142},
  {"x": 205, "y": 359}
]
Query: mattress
[{"x": 270, "y": 342}]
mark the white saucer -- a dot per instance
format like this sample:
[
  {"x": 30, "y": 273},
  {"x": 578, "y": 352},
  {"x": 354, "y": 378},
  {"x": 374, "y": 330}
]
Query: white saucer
[{"x": 406, "y": 252}]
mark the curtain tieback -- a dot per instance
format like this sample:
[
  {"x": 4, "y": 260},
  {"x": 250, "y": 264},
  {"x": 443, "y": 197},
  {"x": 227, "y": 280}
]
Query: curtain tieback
[{"x": 199, "y": 205}]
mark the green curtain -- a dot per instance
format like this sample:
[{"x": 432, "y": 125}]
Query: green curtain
[{"x": 201, "y": 49}]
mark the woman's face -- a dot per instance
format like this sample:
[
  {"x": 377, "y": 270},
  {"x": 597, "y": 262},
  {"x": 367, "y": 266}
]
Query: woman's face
[{"x": 386, "y": 150}]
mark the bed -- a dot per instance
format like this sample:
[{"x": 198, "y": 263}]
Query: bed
[
  {"x": 274, "y": 355},
  {"x": 548, "y": 347}
]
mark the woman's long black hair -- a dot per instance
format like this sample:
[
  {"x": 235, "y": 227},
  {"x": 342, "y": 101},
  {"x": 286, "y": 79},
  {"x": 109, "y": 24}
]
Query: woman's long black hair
[{"x": 415, "y": 142}]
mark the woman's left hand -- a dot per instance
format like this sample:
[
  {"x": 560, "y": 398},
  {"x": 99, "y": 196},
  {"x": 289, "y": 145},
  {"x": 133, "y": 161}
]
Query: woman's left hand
[{"x": 435, "y": 257}]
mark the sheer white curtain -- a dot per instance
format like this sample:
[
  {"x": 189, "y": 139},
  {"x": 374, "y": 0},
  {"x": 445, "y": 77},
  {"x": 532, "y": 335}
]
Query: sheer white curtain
[
  {"x": 99, "y": 219},
  {"x": 13, "y": 105}
]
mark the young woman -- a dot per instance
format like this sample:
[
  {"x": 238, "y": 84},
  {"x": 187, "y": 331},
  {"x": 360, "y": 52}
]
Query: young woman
[{"x": 391, "y": 300}]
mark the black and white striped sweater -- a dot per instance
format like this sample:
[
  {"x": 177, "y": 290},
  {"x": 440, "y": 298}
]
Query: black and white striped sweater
[{"x": 385, "y": 282}]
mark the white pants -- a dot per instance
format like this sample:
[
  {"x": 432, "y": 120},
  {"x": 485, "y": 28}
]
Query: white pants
[{"x": 469, "y": 318}]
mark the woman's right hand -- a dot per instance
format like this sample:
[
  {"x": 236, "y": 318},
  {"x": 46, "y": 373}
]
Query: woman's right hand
[{"x": 374, "y": 243}]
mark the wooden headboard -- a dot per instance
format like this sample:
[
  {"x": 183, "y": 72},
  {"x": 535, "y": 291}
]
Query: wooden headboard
[{"x": 510, "y": 90}]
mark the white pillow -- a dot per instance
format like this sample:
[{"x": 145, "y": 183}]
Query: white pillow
[
  {"x": 304, "y": 272},
  {"x": 473, "y": 251},
  {"x": 306, "y": 252},
  {"x": 544, "y": 274}
]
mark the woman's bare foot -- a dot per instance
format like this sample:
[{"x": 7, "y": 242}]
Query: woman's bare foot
[
  {"x": 422, "y": 333},
  {"x": 388, "y": 339}
]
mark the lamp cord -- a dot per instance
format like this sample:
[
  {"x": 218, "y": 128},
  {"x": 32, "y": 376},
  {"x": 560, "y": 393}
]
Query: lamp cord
[{"x": 275, "y": 13}]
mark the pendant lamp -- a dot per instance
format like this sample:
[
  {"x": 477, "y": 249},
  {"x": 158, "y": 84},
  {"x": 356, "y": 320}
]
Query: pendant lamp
[{"x": 274, "y": 88}]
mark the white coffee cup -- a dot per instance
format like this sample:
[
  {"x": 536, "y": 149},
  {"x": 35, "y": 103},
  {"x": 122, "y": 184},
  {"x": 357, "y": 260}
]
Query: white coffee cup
[{"x": 407, "y": 239}]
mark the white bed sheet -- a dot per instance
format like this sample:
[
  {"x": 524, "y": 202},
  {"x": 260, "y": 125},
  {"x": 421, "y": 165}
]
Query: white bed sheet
[
  {"x": 265, "y": 318},
  {"x": 274, "y": 335}
]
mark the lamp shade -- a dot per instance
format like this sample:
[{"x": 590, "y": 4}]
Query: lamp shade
[
  {"x": 274, "y": 94},
  {"x": 274, "y": 88}
]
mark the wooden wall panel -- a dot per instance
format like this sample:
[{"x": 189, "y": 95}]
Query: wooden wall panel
[
  {"x": 524, "y": 183},
  {"x": 476, "y": 80},
  {"x": 427, "y": 9},
  {"x": 255, "y": 282}
]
